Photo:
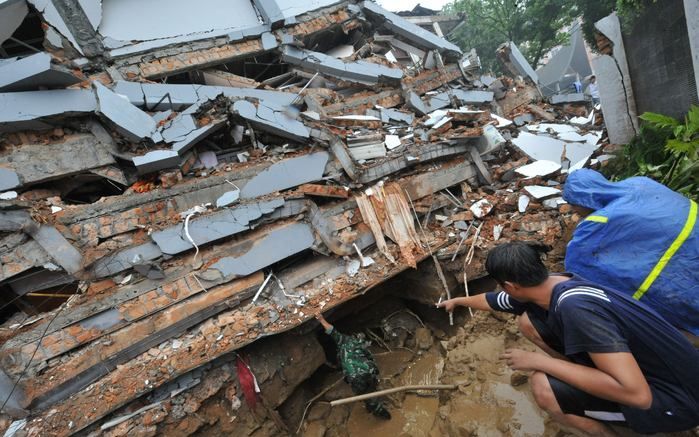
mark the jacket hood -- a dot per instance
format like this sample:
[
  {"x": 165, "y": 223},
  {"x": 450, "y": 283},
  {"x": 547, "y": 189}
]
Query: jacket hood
[{"x": 590, "y": 189}]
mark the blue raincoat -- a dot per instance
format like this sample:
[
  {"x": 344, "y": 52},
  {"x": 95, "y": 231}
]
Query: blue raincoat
[{"x": 642, "y": 239}]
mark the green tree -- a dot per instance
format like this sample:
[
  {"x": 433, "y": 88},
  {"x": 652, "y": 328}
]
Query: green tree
[{"x": 534, "y": 25}]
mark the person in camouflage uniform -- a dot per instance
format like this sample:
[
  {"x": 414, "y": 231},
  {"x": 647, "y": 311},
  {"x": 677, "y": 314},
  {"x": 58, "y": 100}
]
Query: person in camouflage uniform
[{"x": 358, "y": 366}]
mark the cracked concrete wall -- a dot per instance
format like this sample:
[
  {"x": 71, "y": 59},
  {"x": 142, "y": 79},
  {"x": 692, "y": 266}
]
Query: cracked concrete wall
[
  {"x": 691, "y": 13},
  {"x": 616, "y": 92},
  {"x": 658, "y": 51}
]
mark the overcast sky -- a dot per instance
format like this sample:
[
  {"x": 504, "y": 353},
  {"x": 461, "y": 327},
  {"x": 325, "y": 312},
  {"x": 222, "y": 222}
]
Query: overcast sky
[{"x": 406, "y": 5}]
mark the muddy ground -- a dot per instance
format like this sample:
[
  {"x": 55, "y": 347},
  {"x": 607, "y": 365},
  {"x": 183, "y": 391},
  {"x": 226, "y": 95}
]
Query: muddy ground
[{"x": 416, "y": 345}]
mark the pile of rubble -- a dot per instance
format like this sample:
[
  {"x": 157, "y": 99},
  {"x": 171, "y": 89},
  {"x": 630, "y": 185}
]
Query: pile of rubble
[{"x": 166, "y": 199}]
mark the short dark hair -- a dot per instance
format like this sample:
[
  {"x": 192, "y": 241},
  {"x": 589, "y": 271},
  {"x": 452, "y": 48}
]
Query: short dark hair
[{"x": 517, "y": 262}]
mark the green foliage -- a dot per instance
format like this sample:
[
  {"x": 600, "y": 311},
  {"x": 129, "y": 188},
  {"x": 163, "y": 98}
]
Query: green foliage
[
  {"x": 666, "y": 150},
  {"x": 534, "y": 25},
  {"x": 594, "y": 10}
]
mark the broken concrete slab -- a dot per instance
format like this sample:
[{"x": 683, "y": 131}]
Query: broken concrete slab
[
  {"x": 358, "y": 71},
  {"x": 388, "y": 114},
  {"x": 33, "y": 72},
  {"x": 539, "y": 168},
  {"x": 160, "y": 97},
  {"x": 53, "y": 17},
  {"x": 473, "y": 97},
  {"x": 264, "y": 251},
  {"x": 510, "y": 56},
  {"x": 124, "y": 260},
  {"x": 56, "y": 245},
  {"x": 286, "y": 174},
  {"x": 31, "y": 109},
  {"x": 411, "y": 32},
  {"x": 228, "y": 198},
  {"x": 128, "y": 120},
  {"x": 539, "y": 147},
  {"x": 271, "y": 119},
  {"x": 30, "y": 163},
  {"x": 541, "y": 192},
  {"x": 156, "y": 160},
  {"x": 12, "y": 13},
  {"x": 213, "y": 227}
]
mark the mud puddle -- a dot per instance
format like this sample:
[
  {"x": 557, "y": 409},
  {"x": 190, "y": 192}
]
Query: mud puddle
[{"x": 489, "y": 401}]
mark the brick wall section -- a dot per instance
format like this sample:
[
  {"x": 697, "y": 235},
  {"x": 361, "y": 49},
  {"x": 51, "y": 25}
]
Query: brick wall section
[
  {"x": 431, "y": 79},
  {"x": 183, "y": 62},
  {"x": 197, "y": 55},
  {"x": 150, "y": 215},
  {"x": 357, "y": 104},
  {"x": 64, "y": 340},
  {"x": 660, "y": 60}
]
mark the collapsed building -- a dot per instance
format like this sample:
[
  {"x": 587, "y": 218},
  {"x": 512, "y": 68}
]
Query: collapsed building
[{"x": 173, "y": 191}]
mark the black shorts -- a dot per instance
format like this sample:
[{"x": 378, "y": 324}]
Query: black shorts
[
  {"x": 669, "y": 412},
  {"x": 575, "y": 401}
]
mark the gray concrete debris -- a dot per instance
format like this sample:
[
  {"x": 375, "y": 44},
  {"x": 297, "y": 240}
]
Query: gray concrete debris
[
  {"x": 409, "y": 31},
  {"x": 286, "y": 174},
  {"x": 93, "y": 11},
  {"x": 264, "y": 251},
  {"x": 271, "y": 119},
  {"x": 228, "y": 198},
  {"x": 129, "y": 121},
  {"x": 53, "y": 17},
  {"x": 388, "y": 114},
  {"x": 615, "y": 86},
  {"x": 8, "y": 179},
  {"x": 60, "y": 249},
  {"x": 269, "y": 41},
  {"x": 558, "y": 99},
  {"x": 160, "y": 97},
  {"x": 357, "y": 71},
  {"x": 515, "y": 61},
  {"x": 156, "y": 160},
  {"x": 12, "y": 12},
  {"x": 121, "y": 261},
  {"x": 32, "y": 72},
  {"x": 213, "y": 227},
  {"x": 31, "y": 109},
  {"x": 545, "y": 148},
  {"x": 30, "y": 163}
]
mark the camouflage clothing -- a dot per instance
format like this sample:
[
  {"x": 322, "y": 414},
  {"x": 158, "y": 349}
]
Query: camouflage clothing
[{"x": 359, "y": 368}]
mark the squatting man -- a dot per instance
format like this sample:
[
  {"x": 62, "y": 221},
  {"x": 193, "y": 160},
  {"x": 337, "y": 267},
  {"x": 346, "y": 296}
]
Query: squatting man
[{"x": 608, "y": 359}]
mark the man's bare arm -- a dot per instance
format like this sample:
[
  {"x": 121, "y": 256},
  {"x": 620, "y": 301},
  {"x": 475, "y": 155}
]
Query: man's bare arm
[
  {"x": 477, "y": 302},
  {"x": 617, "y": 377}
]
